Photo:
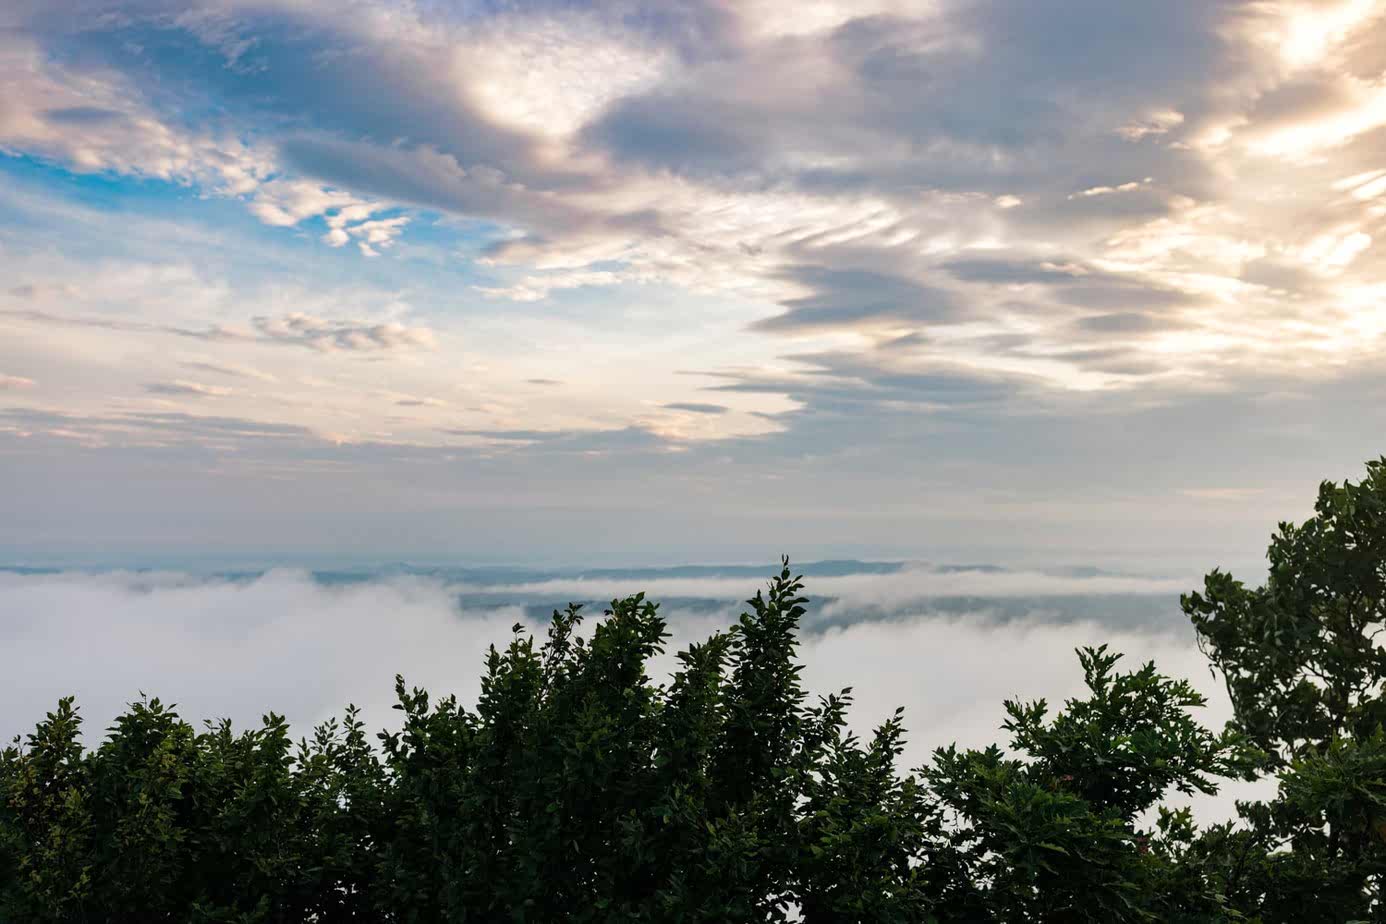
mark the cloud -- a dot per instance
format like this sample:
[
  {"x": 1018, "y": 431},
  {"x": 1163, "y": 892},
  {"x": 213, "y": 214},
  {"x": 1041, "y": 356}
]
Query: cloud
[
  {"x": 232, "y": 370},
  {"x": 696, "y": 407},
  {"x": 181, "y": 389},
  {"x": 146, "y": 431},
  {"x": 351, "y": 336},
  {"x": 1157, "y": 123},
  {"x": 295, "y": 328},
  {"x": 284, "y": 641},
  {"x": 587, "y": 442},
  {"x": 538, "y": 288},
  {"x": 846, "y": 380},
  {"x": 855, "y": 122},
  {"x": 226, "y": 648},
  {"x": 96, "y": 119},
  {"x": 667, "y": 142},
  {"x": 431, "y": 178},
  {"x": 45, "y": 317},
  {"x": 551, "y": 74},
  {"x": 909, "y": 588},
  {"x": 287, "y": 203},
  {"x": 1109, "y": 190},
  {"x": 1224, "y": 494},
  {"x": 15, "y": 382},
  {"x": 1004, "y": 271},
  {"x": 845, "y": 298},
  {"x": 1123, "y": 322}
]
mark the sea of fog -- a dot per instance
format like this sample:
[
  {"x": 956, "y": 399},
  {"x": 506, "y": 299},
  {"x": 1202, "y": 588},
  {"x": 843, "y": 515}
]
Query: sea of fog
[{"x": 949, "y": 643}]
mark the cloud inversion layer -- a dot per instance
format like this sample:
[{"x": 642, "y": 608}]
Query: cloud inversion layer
[{"x": 306, "y": 647}]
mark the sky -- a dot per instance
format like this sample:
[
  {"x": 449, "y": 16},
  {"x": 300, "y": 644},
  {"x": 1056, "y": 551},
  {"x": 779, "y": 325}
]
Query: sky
[{"x": 299, "y": 281}]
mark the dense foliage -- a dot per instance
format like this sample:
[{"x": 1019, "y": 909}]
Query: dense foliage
[{"x": 580, "y": 789}]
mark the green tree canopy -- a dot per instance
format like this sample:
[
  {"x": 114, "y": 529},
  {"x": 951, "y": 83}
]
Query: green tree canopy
[{"x": 1305, "y": 671}]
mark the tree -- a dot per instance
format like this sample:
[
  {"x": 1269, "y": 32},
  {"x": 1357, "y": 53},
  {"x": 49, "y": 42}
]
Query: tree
[
  {"x": 46, "y": 837},
  {"x": 1305, "y": 674},
  {"x": 1057, "y": 835}
]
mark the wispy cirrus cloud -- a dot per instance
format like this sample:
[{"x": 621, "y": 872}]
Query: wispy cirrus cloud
[
  {"x": 295, "y": 328},
  {"x": 230, "y": 370},
  {"x": 182, "y": 389}
]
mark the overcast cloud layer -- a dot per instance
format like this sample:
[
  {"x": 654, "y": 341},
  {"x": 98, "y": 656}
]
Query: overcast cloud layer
[{"x": 403, "y": 279}]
